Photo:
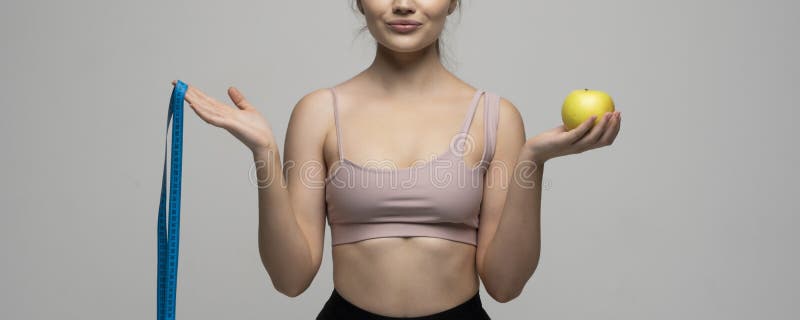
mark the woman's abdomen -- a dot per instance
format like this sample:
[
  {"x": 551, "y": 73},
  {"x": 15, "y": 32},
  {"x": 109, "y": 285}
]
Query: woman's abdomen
[{"x": 405, "y": 275}]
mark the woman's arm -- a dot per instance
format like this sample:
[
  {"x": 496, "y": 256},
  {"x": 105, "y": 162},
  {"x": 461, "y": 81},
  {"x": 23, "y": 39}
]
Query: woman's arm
[
  {"x": 508, "y": 235},
  {"x": 512, "y": 255},
  {"x": 291, "y": 198}
]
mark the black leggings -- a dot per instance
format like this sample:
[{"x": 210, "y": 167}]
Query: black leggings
[{"x": 338, "y": 308}]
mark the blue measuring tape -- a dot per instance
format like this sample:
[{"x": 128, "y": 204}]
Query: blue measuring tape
[{"x": 168, "y": 230}]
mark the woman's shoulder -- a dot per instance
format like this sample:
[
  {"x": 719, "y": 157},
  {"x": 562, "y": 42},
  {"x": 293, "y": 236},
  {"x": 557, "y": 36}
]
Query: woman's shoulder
[
  {"x": 313, "y": 109},
  {"x": 315, "y": 99},
  {"x": 316, "y": 95}
]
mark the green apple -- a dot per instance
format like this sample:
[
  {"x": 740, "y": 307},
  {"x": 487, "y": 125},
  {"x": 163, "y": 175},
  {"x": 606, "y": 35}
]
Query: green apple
[{"x": 580, "y": 105}]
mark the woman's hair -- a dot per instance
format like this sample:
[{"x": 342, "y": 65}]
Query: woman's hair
[{"x": 439, "y": 42}]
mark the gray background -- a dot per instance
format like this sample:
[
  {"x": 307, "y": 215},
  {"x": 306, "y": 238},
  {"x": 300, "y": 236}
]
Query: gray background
[{"x": 690, "y": 214}]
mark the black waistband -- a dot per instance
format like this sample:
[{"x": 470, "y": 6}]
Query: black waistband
[{"x": 470, "y": 309}]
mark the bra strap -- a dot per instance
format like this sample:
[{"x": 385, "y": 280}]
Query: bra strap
[
  {"x": 336, "y": 122},
  {"x": 471, "y": 112},
  {"x": 491, "y": 115}
]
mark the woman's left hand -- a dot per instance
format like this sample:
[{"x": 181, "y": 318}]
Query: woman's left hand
[{"x": 558, "y": 141}]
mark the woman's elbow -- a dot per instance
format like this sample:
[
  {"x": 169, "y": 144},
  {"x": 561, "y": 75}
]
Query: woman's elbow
[
  {"x": 291, "y": 292},
  {"x": 504, "y": 296}
]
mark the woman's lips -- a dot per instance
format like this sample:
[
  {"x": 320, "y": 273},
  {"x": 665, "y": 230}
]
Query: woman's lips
[{"x": 404, "y": 28}]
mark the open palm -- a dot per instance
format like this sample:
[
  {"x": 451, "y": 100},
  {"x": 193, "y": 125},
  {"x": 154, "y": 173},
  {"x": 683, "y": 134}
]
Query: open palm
[
  {"x": 244, "y": 122},
  {"x": 558, "y": 141}
]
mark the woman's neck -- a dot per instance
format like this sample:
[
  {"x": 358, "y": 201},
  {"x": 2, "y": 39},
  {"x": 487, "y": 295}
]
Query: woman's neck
[{"x": 418, "y": 72}]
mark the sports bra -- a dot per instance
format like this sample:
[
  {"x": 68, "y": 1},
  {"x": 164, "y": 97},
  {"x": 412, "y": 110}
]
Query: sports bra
[{"x": 438, "y": 198}]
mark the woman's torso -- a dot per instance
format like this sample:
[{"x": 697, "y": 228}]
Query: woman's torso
[{"x": 403, "y": 276}]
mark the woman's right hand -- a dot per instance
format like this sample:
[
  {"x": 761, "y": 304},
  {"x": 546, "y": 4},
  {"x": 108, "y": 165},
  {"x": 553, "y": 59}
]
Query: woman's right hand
[{"x": 244, "y": 122}]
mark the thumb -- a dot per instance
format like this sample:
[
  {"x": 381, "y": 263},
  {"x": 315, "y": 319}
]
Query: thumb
[{"x": 238, "y": 98}]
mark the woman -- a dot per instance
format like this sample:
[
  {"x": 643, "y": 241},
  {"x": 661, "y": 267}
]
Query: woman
[{"x": 415, "y": 249}]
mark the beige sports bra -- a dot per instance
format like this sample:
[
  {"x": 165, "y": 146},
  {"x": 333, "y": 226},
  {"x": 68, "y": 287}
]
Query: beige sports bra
[{"x": 438, "y": 198}]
